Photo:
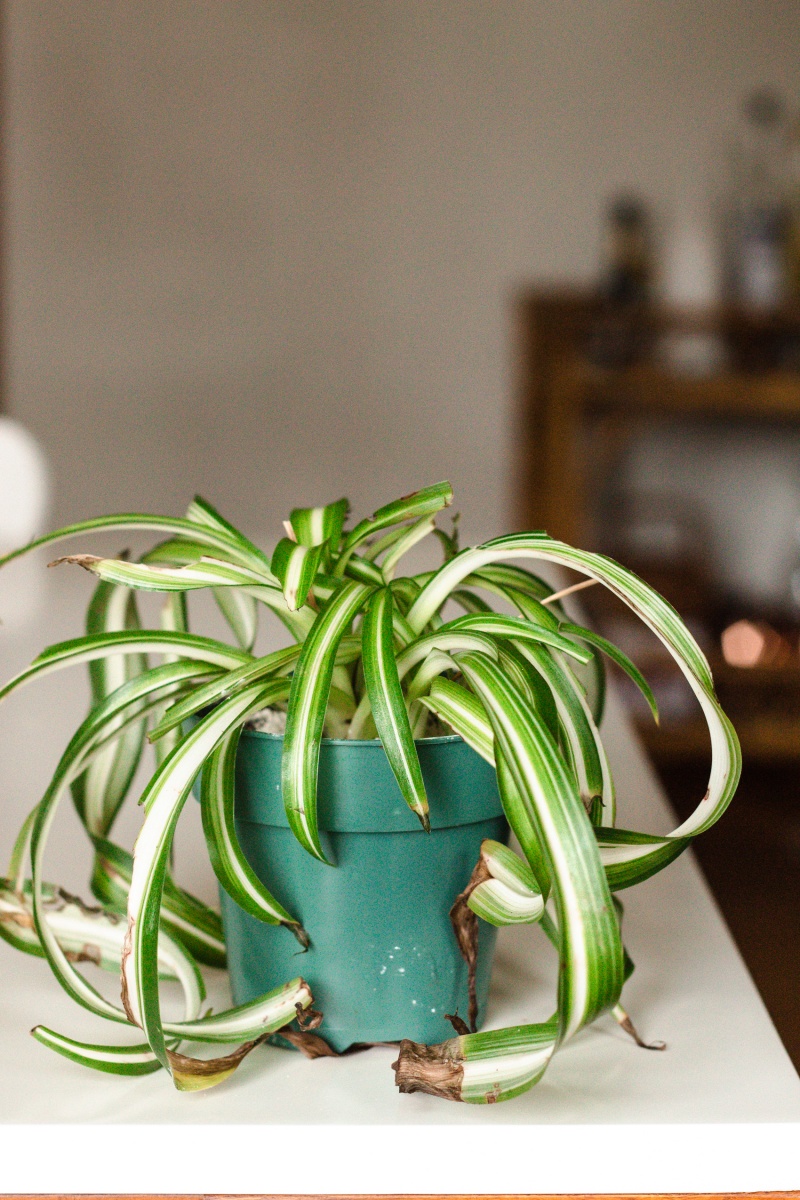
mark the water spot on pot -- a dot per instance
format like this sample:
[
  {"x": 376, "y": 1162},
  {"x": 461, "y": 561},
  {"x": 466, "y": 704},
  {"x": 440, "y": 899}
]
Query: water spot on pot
[
  {"x": 383, "y": 970},
  {"x": 401, "y": 970},
  {"x": 413, "y": 1003}
]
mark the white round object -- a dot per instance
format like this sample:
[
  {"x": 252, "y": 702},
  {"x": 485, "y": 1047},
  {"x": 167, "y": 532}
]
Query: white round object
[{"x": 24, "y": 485}]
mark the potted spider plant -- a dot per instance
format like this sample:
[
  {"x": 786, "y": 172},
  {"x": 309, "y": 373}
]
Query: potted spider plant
[{"x": 356, "y": 786}]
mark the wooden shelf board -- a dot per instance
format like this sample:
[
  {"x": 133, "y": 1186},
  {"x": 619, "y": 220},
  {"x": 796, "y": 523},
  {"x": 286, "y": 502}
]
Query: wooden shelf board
[
  {"x": 767, "y": 740},
  {"x": 648, "y": 389}
]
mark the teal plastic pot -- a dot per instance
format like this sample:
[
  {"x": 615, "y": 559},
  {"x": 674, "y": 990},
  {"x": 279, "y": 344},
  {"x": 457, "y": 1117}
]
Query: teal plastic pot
[{"x": 383, "y": 962}]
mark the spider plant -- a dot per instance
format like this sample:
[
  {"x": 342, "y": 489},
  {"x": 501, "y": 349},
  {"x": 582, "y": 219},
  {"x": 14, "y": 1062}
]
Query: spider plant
[{"x": 372, "y": 654}]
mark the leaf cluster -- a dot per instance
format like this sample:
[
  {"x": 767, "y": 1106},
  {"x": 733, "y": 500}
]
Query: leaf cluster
[{"x": 481, "y": 646}]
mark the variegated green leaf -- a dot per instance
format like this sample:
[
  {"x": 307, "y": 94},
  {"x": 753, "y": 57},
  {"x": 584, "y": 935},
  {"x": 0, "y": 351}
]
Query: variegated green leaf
[
  {"x": 205, "y": 572},
  {"x": 417, "y": 504},
  {"x": 421, "y": 651},
  {"x": 591, "y": 952},
  {"x": 668, "y": 627},
  {"x": 373, "y": 549},
  {"x": 465, "y": 713},
  {"x": 617, "y": 656},
  {"x": 227, "y": 858},
  {"x": 174, "y": 618},
  {"x": 306, "y": 713},
  {"x": 498, "y": 904},
  {"x": 241, "y": 613},
  {"x": 89, "y": 649},
  {"x": 315, "y": 526},
  {"x": 499, "y": 625},
  {"x": 279, "y": 663},
  {"x": 582, "y": 745},
  {"x": 114, "y": 1060},
  {"x": 258, "y": 1017},
  {"x": 520, "y": 819},
  {"x": 388, "y": 704},
  {"x": 101, "y": 790},
  {"x": 185, "y": 917},
  {"x": 359, "y": 568},
  {"x": 295, "y": 567},
  {"x": 410, "y": 536},
  {"x": 226, "y": 545},
  {"x": 511, "y": 896},
  {"x": 163, "y": 800}
]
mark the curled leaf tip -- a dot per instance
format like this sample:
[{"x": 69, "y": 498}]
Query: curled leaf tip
[
  {"x": 308, "y": 1019},
  {"x": 627, "y": 1024}
]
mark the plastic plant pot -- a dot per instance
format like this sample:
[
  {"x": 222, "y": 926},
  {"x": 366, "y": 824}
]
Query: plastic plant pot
[{"x": 383, "y": 962}]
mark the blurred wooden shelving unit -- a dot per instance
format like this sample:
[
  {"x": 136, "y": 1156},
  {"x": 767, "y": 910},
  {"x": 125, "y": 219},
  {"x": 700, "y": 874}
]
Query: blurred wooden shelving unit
[{"x": 575, "y": 418}]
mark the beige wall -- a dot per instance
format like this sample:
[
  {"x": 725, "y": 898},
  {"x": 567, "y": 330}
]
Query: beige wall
[{"x": 264, "y": 250}]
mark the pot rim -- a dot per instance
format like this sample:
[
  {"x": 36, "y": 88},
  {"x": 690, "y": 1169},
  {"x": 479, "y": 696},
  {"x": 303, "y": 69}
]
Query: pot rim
[{"x": 371, "y": 743}]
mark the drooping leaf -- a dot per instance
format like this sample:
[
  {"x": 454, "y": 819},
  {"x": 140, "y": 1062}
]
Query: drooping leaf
[
  {"x": 114, "y": 1060},
  {"x": 668, "y": 627},
  {"x": 227, "y": 858},
  {"x": 163, "y": 800}
]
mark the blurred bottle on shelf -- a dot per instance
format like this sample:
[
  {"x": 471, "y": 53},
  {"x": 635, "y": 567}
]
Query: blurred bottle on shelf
[
  {"x": 628, "y": 269},
  {"x": 758, "y": 210},
  {"x": 793, "y": 211},
  {"x": 619, "y": 334}
]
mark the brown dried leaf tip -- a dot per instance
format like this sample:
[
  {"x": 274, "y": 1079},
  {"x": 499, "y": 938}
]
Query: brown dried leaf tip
[
  {"x": 309, "y": 1044},
  {"x": 299, "y": 932},
  {"x": 459, "y": 1024},
  {"x": 627, "y": 1024},
  {"x": 83, "y": 560},
  {"x": 436, "y": 1070},
  {"x": 198, "y": 1074}
]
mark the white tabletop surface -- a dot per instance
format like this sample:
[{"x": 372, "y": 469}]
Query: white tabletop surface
[{"x": 718, "y": 1110}]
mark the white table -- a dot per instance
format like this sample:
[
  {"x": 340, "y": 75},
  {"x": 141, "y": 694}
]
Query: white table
[{"x": 719, "y": 1110}]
